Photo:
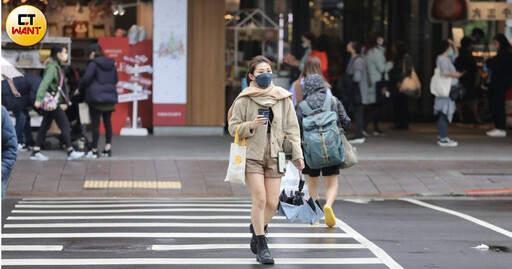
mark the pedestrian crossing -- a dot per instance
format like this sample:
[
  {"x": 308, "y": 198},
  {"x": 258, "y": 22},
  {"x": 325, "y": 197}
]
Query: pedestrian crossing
[{"x": 156, "y": 233}]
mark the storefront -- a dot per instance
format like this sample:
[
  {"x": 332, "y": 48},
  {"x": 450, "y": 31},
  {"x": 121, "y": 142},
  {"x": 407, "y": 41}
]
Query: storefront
[{"x": 159, "y": 72}]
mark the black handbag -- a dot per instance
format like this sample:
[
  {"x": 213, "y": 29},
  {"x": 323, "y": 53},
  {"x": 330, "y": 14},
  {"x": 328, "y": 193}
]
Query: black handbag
[{"x": 457, "y": 92}]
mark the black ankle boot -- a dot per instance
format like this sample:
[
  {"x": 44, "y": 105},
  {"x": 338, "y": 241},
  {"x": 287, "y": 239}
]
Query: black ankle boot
[
  {"x": 263, "y": 256},
  {"x": 254, "y": 242}
]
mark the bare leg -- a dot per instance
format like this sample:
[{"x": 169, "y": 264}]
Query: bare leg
[
  {"x": 331, "y": 192},
  {"x": 272, "y": 187},
  {"x": 256, "y": 185},
  {"x": 313, "y": 186}
]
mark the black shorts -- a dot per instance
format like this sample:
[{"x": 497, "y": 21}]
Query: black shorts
[{"x": 327, "y": 171}]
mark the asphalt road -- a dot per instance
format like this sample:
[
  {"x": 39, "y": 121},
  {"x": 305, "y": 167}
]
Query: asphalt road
[{"x": 146, "y": 233}]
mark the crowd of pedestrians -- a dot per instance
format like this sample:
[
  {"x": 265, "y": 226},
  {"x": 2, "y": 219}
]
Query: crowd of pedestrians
[{"x": 50, "y": 96}]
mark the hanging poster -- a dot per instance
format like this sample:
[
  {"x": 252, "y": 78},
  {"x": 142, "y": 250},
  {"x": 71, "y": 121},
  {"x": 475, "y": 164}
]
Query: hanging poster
[{"x": 170, "y": 63}]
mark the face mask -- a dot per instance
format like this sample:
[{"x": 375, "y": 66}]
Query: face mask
[
  {"x": 451, "y": 53},
  {"x": 380, "y": 41},
  {"x": 264, "y": 79},
  {"x": 304, "y": 45},
  {"x": 65, "y": 57}
]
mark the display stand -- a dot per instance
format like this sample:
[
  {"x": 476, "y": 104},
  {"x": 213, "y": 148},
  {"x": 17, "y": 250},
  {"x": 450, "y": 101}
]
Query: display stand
[{"x": 138, "y": 94}]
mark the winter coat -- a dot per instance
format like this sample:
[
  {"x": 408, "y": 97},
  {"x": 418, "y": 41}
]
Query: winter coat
[
  {"x": 27, "y": 86},
  {"x": 245, "y": 110},
  {"x": 377, "y": 66},
  {"x": 9, "y": 145},
  {"x": 357, "y": 69},
  {"x": 315, "y": 94},
  {"x": 466, "y": 63},
  {"x": 501, "y": 67},
  {"x": 51, "y": 81},
  {"x": 99, "y": 81}
]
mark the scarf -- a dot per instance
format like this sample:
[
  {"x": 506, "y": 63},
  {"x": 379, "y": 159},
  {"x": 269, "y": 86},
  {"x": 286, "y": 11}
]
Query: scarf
[{"x": 263, "y": 97}]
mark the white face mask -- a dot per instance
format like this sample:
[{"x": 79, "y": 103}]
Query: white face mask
[
  {"x": 380, "y": 41},
  {"x": 305, "y": 45},
  {"x": 65, "y": 57}
]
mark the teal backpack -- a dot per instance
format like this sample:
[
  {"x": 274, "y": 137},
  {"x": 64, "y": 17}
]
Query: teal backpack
[{"x": 322, "y": 144}]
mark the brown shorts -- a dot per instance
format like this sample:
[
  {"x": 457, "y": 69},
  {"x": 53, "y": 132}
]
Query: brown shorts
[{"x": 268, "y": 167}]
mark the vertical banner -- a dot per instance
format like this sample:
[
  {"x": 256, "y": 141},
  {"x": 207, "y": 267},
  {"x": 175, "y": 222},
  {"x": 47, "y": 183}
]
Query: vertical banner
[{"x": 170, "y": 62}]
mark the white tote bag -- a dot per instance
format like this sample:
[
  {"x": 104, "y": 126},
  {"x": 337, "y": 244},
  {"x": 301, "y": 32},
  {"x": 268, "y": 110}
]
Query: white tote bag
[
  {"x": 440, "y": 85},
  {"x": 237, "y": 160},
  {"x": 83, "y": 113}
]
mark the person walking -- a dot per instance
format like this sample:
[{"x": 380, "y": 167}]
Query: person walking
[
  {"x": 402, "y": 68},
  {"x": 99, "y": 84},
  {"x": 312, "y": 66},
  {"x": 501, "y": 82},
  {"x": 357, "y": 72},
  {"x": 52, "y": 85},
  {"x": 27, "y": 86},
  {"x": 265, "y": 137},
  {"x": 9, "y": 148},
  {"x": 444, "y": 107},
  {"x": 466, "y": 64},
  {"x": 378, "y": 70},
  {"x": 315, "y": 95},
  {"x": 308, "y": 42}
]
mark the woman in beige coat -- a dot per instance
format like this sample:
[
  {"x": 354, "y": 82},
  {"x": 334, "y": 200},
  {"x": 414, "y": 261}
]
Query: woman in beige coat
[{"x": 264, "y": 139}]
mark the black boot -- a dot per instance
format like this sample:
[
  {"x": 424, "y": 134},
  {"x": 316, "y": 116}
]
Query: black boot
[
  {"x": 263, "y": 256},
  {"x": 254, "y": 242}
]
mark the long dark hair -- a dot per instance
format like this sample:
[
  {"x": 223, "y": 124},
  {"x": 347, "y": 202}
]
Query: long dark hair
[
  {"x": 371, "y": 41},
  {"x": 443, "y": 46},
  {"x": 253, "y": 63},
  {"x": 504, "y": 44},
  {"x": 56, "y": 49}
]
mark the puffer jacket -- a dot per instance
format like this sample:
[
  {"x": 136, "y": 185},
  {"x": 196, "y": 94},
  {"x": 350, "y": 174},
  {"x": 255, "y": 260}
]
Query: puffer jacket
[
  {"x": 9, "y": 145},
  {"x": 315, "y": 94},
  {"x": 51, "y": 81},
  {"x": 99, "y": 81}
]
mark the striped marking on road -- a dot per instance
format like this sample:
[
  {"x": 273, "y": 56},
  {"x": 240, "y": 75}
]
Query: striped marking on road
[
  {"x": 377, "y": 251},
  {"x": 126, "y": 184},
  {"x": 214, "y": 199},
  {"x": 132, "y": 205},
  {"x": 178, "y": 261},
  {"x": 32, "y": 247},
  {"x": 461, "y": 215},
  {"x": 153, "y": 224},
  {"x": 170, "y": 235},
  {"x": 99, "y": 211},
  {"x": 129, "y": 201},
  {"x": 136, "y": 217},
  {"x": 242, "y": 246}
]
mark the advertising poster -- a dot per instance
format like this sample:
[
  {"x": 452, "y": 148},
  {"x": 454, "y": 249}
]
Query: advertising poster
[{"x": 170, "y": 63}]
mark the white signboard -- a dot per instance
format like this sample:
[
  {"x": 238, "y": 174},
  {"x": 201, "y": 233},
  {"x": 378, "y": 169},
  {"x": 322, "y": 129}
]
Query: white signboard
[
  {"x": 170, "y": 52},
  {"x": 489, "y": 11}
]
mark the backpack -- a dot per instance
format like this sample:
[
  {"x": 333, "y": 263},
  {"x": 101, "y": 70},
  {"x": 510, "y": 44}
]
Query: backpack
[{"x": 322, "y": 144}]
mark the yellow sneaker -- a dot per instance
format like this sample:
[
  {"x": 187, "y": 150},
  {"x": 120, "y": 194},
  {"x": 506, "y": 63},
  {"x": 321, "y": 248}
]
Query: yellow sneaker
[{"x": 330, "y": 219}]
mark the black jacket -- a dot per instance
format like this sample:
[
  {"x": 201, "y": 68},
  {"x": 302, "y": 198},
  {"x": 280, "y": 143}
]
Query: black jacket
[
  {"x": 501, "y": 67},
  {"x": 99, "y": 81},
  {"x": 26, "y": 86}
]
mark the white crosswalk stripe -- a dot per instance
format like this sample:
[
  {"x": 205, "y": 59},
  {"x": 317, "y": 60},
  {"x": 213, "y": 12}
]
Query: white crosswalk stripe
[{"x": 73, "y": 232}]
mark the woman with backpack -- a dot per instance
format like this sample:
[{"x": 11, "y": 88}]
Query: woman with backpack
[
  {"x": 312, "y": 66},
  {"x": 315, "y": 96},
  {"x": 265, "y": 136},
  {"x": 50, "y": 97},
  {"x": 99, "y": 84}
]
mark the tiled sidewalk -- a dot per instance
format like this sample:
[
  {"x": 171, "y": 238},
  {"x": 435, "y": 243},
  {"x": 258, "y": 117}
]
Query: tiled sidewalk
[{"x": 198, "y": 178}]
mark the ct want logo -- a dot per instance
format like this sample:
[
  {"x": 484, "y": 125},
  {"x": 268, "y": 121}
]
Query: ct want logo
[{"x": 26, "y": 25}]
